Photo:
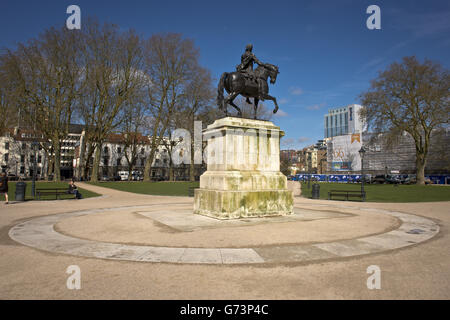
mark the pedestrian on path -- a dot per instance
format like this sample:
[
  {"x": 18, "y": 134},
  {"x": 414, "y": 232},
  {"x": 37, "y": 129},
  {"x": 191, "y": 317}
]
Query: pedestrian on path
[{"x": 4, "y": 186}]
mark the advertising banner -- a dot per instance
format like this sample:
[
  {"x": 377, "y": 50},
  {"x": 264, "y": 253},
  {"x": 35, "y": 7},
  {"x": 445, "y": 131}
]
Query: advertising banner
[{"x": 345, "y": 153}]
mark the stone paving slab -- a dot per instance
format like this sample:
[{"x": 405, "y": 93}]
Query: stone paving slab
[
  {"x": 185, "y": 220},
  {"x": 40, "y": 233}
]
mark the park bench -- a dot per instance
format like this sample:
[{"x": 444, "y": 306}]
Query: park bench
[
  {"x": 53, "y": 191},
  {"x": 347, "y": 194}
]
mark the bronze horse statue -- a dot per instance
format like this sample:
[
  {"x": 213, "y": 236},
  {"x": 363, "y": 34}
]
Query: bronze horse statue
[{"x": 235, "y": 83}]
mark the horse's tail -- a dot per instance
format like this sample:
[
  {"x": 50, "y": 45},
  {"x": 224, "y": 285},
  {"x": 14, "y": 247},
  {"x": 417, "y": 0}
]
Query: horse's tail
[{"x": 220, "y": 90}]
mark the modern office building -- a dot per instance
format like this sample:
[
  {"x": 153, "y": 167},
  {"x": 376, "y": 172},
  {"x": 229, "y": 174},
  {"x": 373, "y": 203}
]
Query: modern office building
[{"x": 343, "y": 121}]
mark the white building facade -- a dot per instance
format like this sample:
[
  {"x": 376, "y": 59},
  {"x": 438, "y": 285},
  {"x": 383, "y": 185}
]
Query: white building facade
[{"x": 343, "y": 121}]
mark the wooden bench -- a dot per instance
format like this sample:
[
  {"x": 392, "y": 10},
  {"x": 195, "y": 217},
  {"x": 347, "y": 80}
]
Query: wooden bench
[
  {"x": 53, "y": 191},
  {"x": 347, "y": 194}
]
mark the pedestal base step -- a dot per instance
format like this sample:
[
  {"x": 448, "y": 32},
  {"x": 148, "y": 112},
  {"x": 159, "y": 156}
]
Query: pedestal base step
[{"x": 221, "y": 204}]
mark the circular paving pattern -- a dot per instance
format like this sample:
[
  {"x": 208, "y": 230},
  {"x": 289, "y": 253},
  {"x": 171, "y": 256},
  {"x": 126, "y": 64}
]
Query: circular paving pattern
[{"x": 40, "y": 233}]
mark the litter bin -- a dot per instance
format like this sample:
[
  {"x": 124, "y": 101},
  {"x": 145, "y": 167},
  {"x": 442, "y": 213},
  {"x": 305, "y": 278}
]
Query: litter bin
[
  {"x": 21, "y": 188},
  {"x": 315, "y": 191}
]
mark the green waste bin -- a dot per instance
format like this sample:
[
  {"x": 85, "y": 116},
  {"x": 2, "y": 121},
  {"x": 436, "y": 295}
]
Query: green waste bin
[
  {"x": 21, "y": 188},
  {"x": 315, "y": 191}
]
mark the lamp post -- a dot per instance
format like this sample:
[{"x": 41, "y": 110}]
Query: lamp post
[
  {"x": 34, "y": 145},
  {"x": 362, "y": 152}
]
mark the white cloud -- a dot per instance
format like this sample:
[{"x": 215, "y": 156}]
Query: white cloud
[
  {"x": 296, "y": 91},
  {"x": 315, "y": 107},
  {"x": 281, "y": 113},
  {"x": 294, "y": 143}
]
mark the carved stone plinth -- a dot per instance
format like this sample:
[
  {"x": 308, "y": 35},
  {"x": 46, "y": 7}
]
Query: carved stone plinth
[{"x": 243, "y": 177}]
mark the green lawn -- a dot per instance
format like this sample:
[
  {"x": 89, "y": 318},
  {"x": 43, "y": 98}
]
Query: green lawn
[
  {"x": 385, "y": 192},
  {"x": 179, "y": 188},
  {"x": 45, "y": 185}
]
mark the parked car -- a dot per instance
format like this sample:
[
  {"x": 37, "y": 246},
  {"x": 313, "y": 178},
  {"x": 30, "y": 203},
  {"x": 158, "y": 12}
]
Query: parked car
[
  {"x": 117, "y": 178},
  {"x": 393, "y": 179},
  {"x": 410, "y": 179},
  {"x": 105, "y": 178},
  {"x": 137, "y": 176},
  {"x": 379, "y": 179},
  {"x": 123, "y": 175}
]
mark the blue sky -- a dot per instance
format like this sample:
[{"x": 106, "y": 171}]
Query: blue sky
[{"x": 325, "y": 52}]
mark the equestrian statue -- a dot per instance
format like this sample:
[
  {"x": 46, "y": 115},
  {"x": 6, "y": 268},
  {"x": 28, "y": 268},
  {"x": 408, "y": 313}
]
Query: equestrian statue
[{"x": 247, "y": 82}]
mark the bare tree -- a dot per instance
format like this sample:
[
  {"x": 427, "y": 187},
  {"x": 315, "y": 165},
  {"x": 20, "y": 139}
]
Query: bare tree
[
  {"x": 8, "y": 107},
  {"x": 46, "y": 73},
  {"x": 170, "y": 64},
  {"x": 410, "y": 97},
  {"x": 131, "y": 131},
  {"x": 113, "y": 74},
  {"x": 197, "y": 98}
]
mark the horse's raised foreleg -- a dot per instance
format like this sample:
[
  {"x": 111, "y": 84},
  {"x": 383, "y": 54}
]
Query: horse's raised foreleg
[
  {"x": 229, "y": 100},
  {"x": 268, "y": 97}
]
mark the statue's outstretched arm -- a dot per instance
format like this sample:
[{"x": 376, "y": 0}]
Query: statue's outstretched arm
[{"x": 257, "y": 61}]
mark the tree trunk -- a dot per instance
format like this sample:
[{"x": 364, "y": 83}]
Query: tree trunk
[
  {"x": 95, "y": 169},
  {"x": 148, "y": 166},
  {"x": 51, "y": 160},
  {"x": 171, "y": 173},
  {"x": 420, "y": 169},
  {"x": 81, "y": 164},
  {"x": 192, "y": 164},
  {"x": 57, "y": 163},
  {"x": 86, "y": 162}
]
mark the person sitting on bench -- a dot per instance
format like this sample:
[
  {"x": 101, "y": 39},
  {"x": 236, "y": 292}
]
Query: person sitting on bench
[{"x": 74, "y": 190}]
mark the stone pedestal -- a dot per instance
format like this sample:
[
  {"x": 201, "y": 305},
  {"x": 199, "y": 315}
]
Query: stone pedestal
[{"x": 243, "y": 177}]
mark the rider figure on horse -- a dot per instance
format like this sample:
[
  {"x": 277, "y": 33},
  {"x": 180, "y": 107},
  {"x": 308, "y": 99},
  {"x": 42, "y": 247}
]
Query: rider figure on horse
[{"x": 246, "y": 66}]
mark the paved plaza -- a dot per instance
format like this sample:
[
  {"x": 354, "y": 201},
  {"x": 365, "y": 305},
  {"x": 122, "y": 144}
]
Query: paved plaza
[{"x": 132, "y": 246}]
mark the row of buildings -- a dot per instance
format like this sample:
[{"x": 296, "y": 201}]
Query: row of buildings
[
  {"x": 344, "y": 135},
  {"x": 21, "y": 150}
]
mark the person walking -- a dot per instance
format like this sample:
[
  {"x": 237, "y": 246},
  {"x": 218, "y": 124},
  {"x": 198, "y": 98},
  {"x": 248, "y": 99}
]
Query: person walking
[{"x": 4, "y": 186}]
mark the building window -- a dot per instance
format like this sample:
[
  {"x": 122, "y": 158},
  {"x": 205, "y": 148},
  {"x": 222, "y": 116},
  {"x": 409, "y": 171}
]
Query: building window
[
  {"x": 142, "y": 150},
  {"x": 351, "y": 114},
  {"x": 6, "y": 145},
  {"x": 119, "y": 149},
  {"x": 22, "y": 158},
  {"x": 105, "y": 161},
  {"x": 22, "y": 170},
  {"x": 142, "y": 162},
  {"x": 24, "y": 146},
  {"x": 119, "y": 161},
  {"x": 6, "y": 156},
  {"x": 105, "y": 150},
  {"x": 39, "y": 159}
]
